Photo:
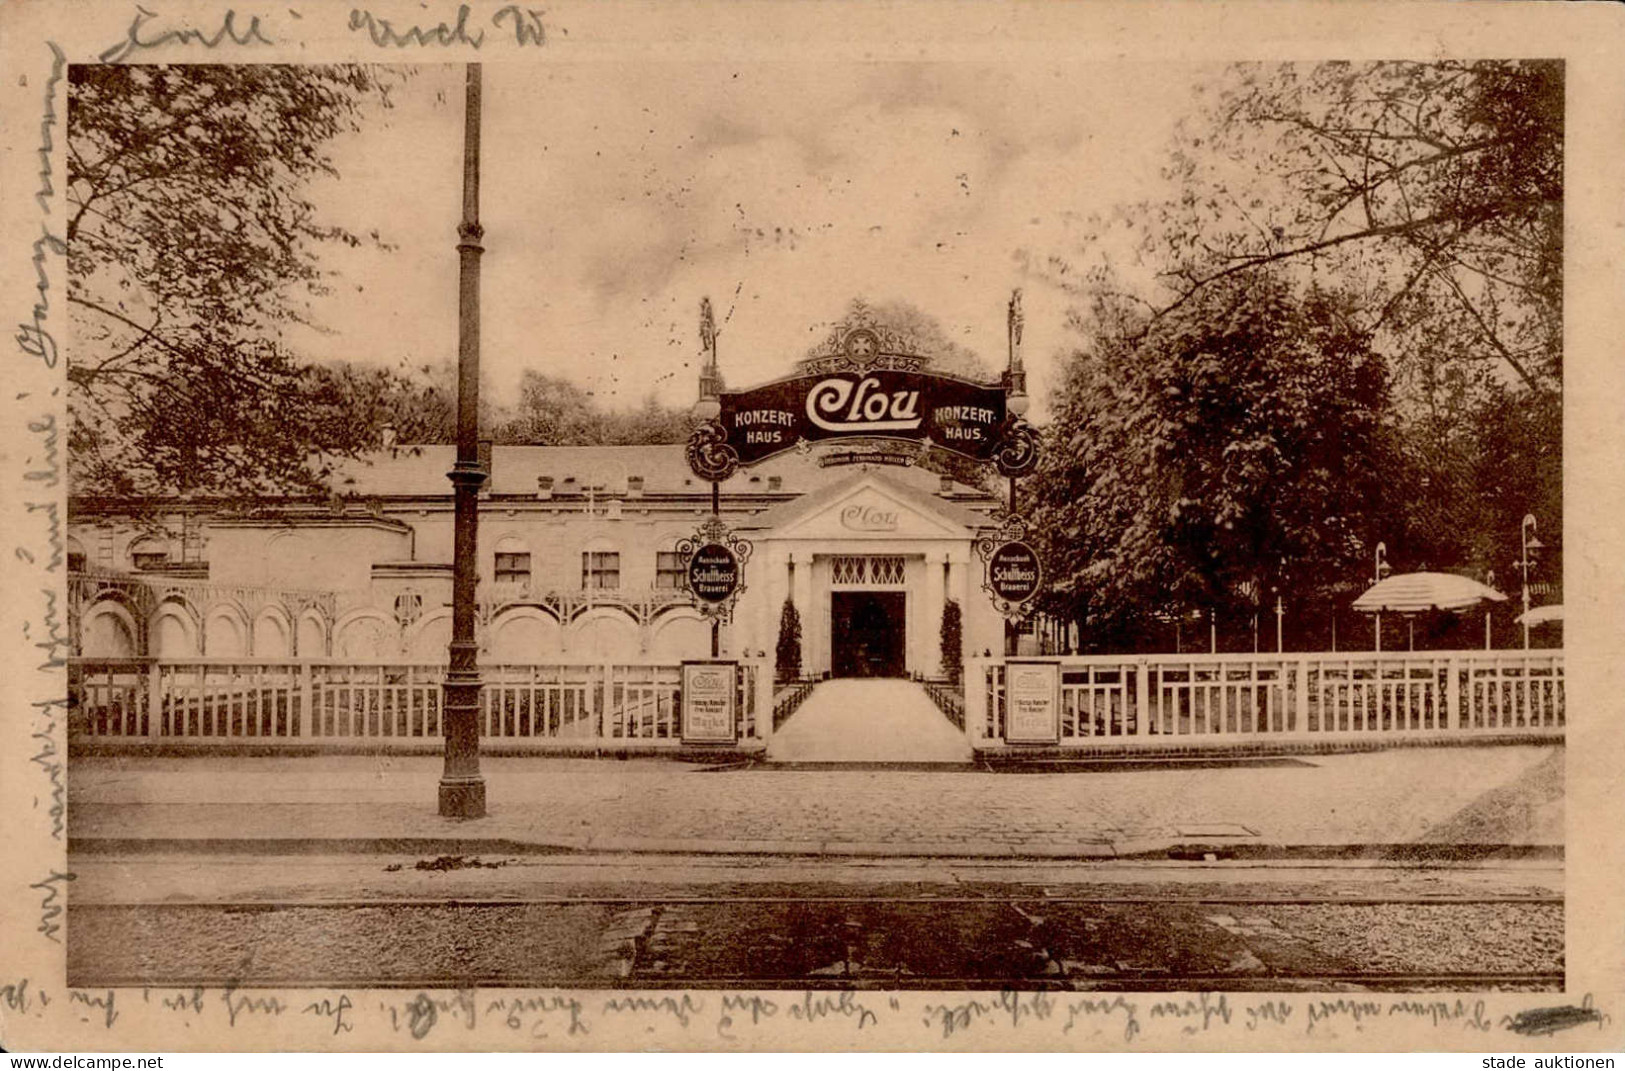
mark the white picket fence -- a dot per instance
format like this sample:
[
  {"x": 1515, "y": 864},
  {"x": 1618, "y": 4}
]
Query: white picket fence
[
  {"x": 1197, "y": 700},
  {"x": 240, "y": 702}
]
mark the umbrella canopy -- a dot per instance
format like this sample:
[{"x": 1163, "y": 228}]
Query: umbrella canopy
[
  {"x": 1415, "y": 593},
  {"x": 1540, "y": 615}
]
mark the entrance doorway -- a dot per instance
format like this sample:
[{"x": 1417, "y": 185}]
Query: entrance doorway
[{"x": 866, "y": 633}]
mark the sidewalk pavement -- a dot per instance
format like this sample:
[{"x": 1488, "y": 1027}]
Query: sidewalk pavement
[
  {"x": 1489, "y": 797},
  {"x": 869, "y": 721}
]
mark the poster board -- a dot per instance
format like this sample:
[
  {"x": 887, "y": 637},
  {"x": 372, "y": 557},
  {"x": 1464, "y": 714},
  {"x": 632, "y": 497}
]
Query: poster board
[
  {"x": 1032, "y": 702},
  {"x": 709, "y": 701}
]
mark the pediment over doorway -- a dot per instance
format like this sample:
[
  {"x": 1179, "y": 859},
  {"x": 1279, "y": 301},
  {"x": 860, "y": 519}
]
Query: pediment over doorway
[{"x": 868, "y": 506}]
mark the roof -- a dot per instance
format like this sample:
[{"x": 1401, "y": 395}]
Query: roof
[
  {"x": 787, "y": 512},
  {"x": 420, "y": 471}
]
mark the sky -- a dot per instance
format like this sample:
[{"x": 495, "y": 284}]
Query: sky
[{"x": 615, "y": 196}]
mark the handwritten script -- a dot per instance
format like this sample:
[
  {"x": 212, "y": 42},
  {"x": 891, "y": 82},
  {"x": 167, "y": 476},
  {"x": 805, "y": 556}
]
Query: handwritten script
[
  {"x": 738, "y": 1017},
  {"x": 463, "y": 28},
  {"x": 32, "y": 337},
  {"x": 140, "y": 37}
]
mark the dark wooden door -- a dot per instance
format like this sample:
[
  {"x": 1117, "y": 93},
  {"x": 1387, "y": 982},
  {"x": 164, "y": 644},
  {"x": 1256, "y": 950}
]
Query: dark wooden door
[{"x": 867, "y": 630}]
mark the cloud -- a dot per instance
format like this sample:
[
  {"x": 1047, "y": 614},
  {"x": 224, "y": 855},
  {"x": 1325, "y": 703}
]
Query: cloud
[{"x": 614, "y": 196}]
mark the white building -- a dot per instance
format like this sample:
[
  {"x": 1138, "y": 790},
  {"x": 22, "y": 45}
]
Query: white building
[{"x": 577, "y": 562}]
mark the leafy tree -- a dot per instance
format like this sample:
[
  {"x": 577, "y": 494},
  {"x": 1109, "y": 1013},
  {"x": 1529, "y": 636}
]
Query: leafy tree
[
  {"x": 556, "y": 412},
  {"x": 1429, "y": 196},
  {"x": 552, "y": 412},
  {"x": 1203, "y": 457},
  {"x": 787, "y": 655},
  {"x": 1436, "y": 187},
  {"x": 1467, "y": 484},
  {"x": 419, "y": 403},
  {"x": 191, "y": 244},
  {"x": 953, "y": 641}
]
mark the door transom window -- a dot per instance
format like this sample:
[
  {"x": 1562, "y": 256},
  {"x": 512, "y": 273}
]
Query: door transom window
[{"x": 872, "y": 570}]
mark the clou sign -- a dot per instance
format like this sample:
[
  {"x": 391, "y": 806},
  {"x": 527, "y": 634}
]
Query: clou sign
[
  {"x": 713, "y": 573},
  {"x": 1013, "y": 571},
  {"x": 861, "y": 518},
  {"x": 954, "y": 414}
]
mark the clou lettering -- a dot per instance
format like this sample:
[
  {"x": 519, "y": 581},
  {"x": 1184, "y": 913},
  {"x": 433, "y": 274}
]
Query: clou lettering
[
  {"x": 869, "y": 519},
  {"x": 844, "y": 406}
]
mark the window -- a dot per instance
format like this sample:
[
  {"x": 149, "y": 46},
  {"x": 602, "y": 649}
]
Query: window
[
  {"x": 879, "y": 571},
  {"x": 512, "y": 568},
  {"x": 600, "y": 569},
  {"x": 408, "y": 608},
  {"x": 149, "y": 554},
  {"x": 669, "y": 571}
]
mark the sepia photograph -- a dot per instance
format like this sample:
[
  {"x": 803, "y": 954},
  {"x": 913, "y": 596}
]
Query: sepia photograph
[
  {"x": 753, "y": 618},
  {"x": 1010, "y": 533}
]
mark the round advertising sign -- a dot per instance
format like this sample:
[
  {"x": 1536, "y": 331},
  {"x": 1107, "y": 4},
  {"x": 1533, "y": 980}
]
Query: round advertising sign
[
  {"x": 713, "y": 573},
  {"x": 1013, "y": 572}
]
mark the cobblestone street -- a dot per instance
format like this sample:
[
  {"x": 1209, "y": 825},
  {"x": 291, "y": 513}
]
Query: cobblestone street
[{"x": 1491, "y": 795}]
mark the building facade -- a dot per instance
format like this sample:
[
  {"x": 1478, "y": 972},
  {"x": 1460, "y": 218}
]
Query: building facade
[{"x": 578, "y": 562}]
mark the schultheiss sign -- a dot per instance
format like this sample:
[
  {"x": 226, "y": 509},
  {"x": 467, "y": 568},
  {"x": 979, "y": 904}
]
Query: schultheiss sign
[
  {"x": 954, "y": 414},
  {"x": 713, "y": 573},
  {"x": 1013, "y": 572}
]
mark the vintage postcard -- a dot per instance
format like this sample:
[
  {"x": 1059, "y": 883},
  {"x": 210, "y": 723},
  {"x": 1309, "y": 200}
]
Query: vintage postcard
[{"x": 778, "y": 526}]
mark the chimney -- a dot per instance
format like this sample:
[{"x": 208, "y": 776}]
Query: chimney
[
  {"x": 945, "y": 485},
  {"x": 544, "y": 487},
  {"x": 634, "y": 487},
  {"x": 388, "y": 436},
  {"x": 774, "y": 483}
]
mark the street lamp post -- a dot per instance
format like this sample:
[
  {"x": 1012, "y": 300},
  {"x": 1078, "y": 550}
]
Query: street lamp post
[
  {"x": 1016, "y": 404},
  {"x": 1531, "y": 543},
  {"x": 1280, "y": 608},
  {"x": 707, "y": 409},
  {"x": 1382, "y": 570},
  {"x": 462, "y": 787}
]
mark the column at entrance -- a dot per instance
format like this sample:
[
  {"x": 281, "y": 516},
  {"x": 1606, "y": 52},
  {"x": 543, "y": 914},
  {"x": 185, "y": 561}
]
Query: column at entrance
[
  {"x": 931, "y": 627},
  {"x": 811, "y": 617}
]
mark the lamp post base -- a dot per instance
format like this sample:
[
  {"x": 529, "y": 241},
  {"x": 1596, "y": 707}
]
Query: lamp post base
[{"x": 462, "y": 797}]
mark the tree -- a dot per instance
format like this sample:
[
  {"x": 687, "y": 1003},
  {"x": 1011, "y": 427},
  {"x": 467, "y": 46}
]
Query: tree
[
  {"x": 1429, "y": 198},
  {"x": 556, "y": 412},
  {"x": 191, "y": 244},
  {"x": 953, "y": 642},
  {"x": 787, "y": 655},
  {"x": 1203, "y": 457},
  {"x": 419, "y": 403},
  {"x": 1436, "y": 187}
]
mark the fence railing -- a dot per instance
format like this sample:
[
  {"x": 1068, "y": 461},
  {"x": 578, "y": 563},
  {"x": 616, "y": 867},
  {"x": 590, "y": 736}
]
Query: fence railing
[
  {"x": 237, "y": 702},
  {"x": 789, "y": 695},
  {"x": 1206, "y": 698},
  {"x": 949, "y": 696}
]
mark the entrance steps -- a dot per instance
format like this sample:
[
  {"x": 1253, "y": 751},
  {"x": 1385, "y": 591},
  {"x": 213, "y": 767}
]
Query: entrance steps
[{"x": 889, "y": 721}]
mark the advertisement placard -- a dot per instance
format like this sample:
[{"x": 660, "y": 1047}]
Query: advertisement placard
[
  {"x": 708, "y": 702},
  {"x": 1032, "y": 702}
]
